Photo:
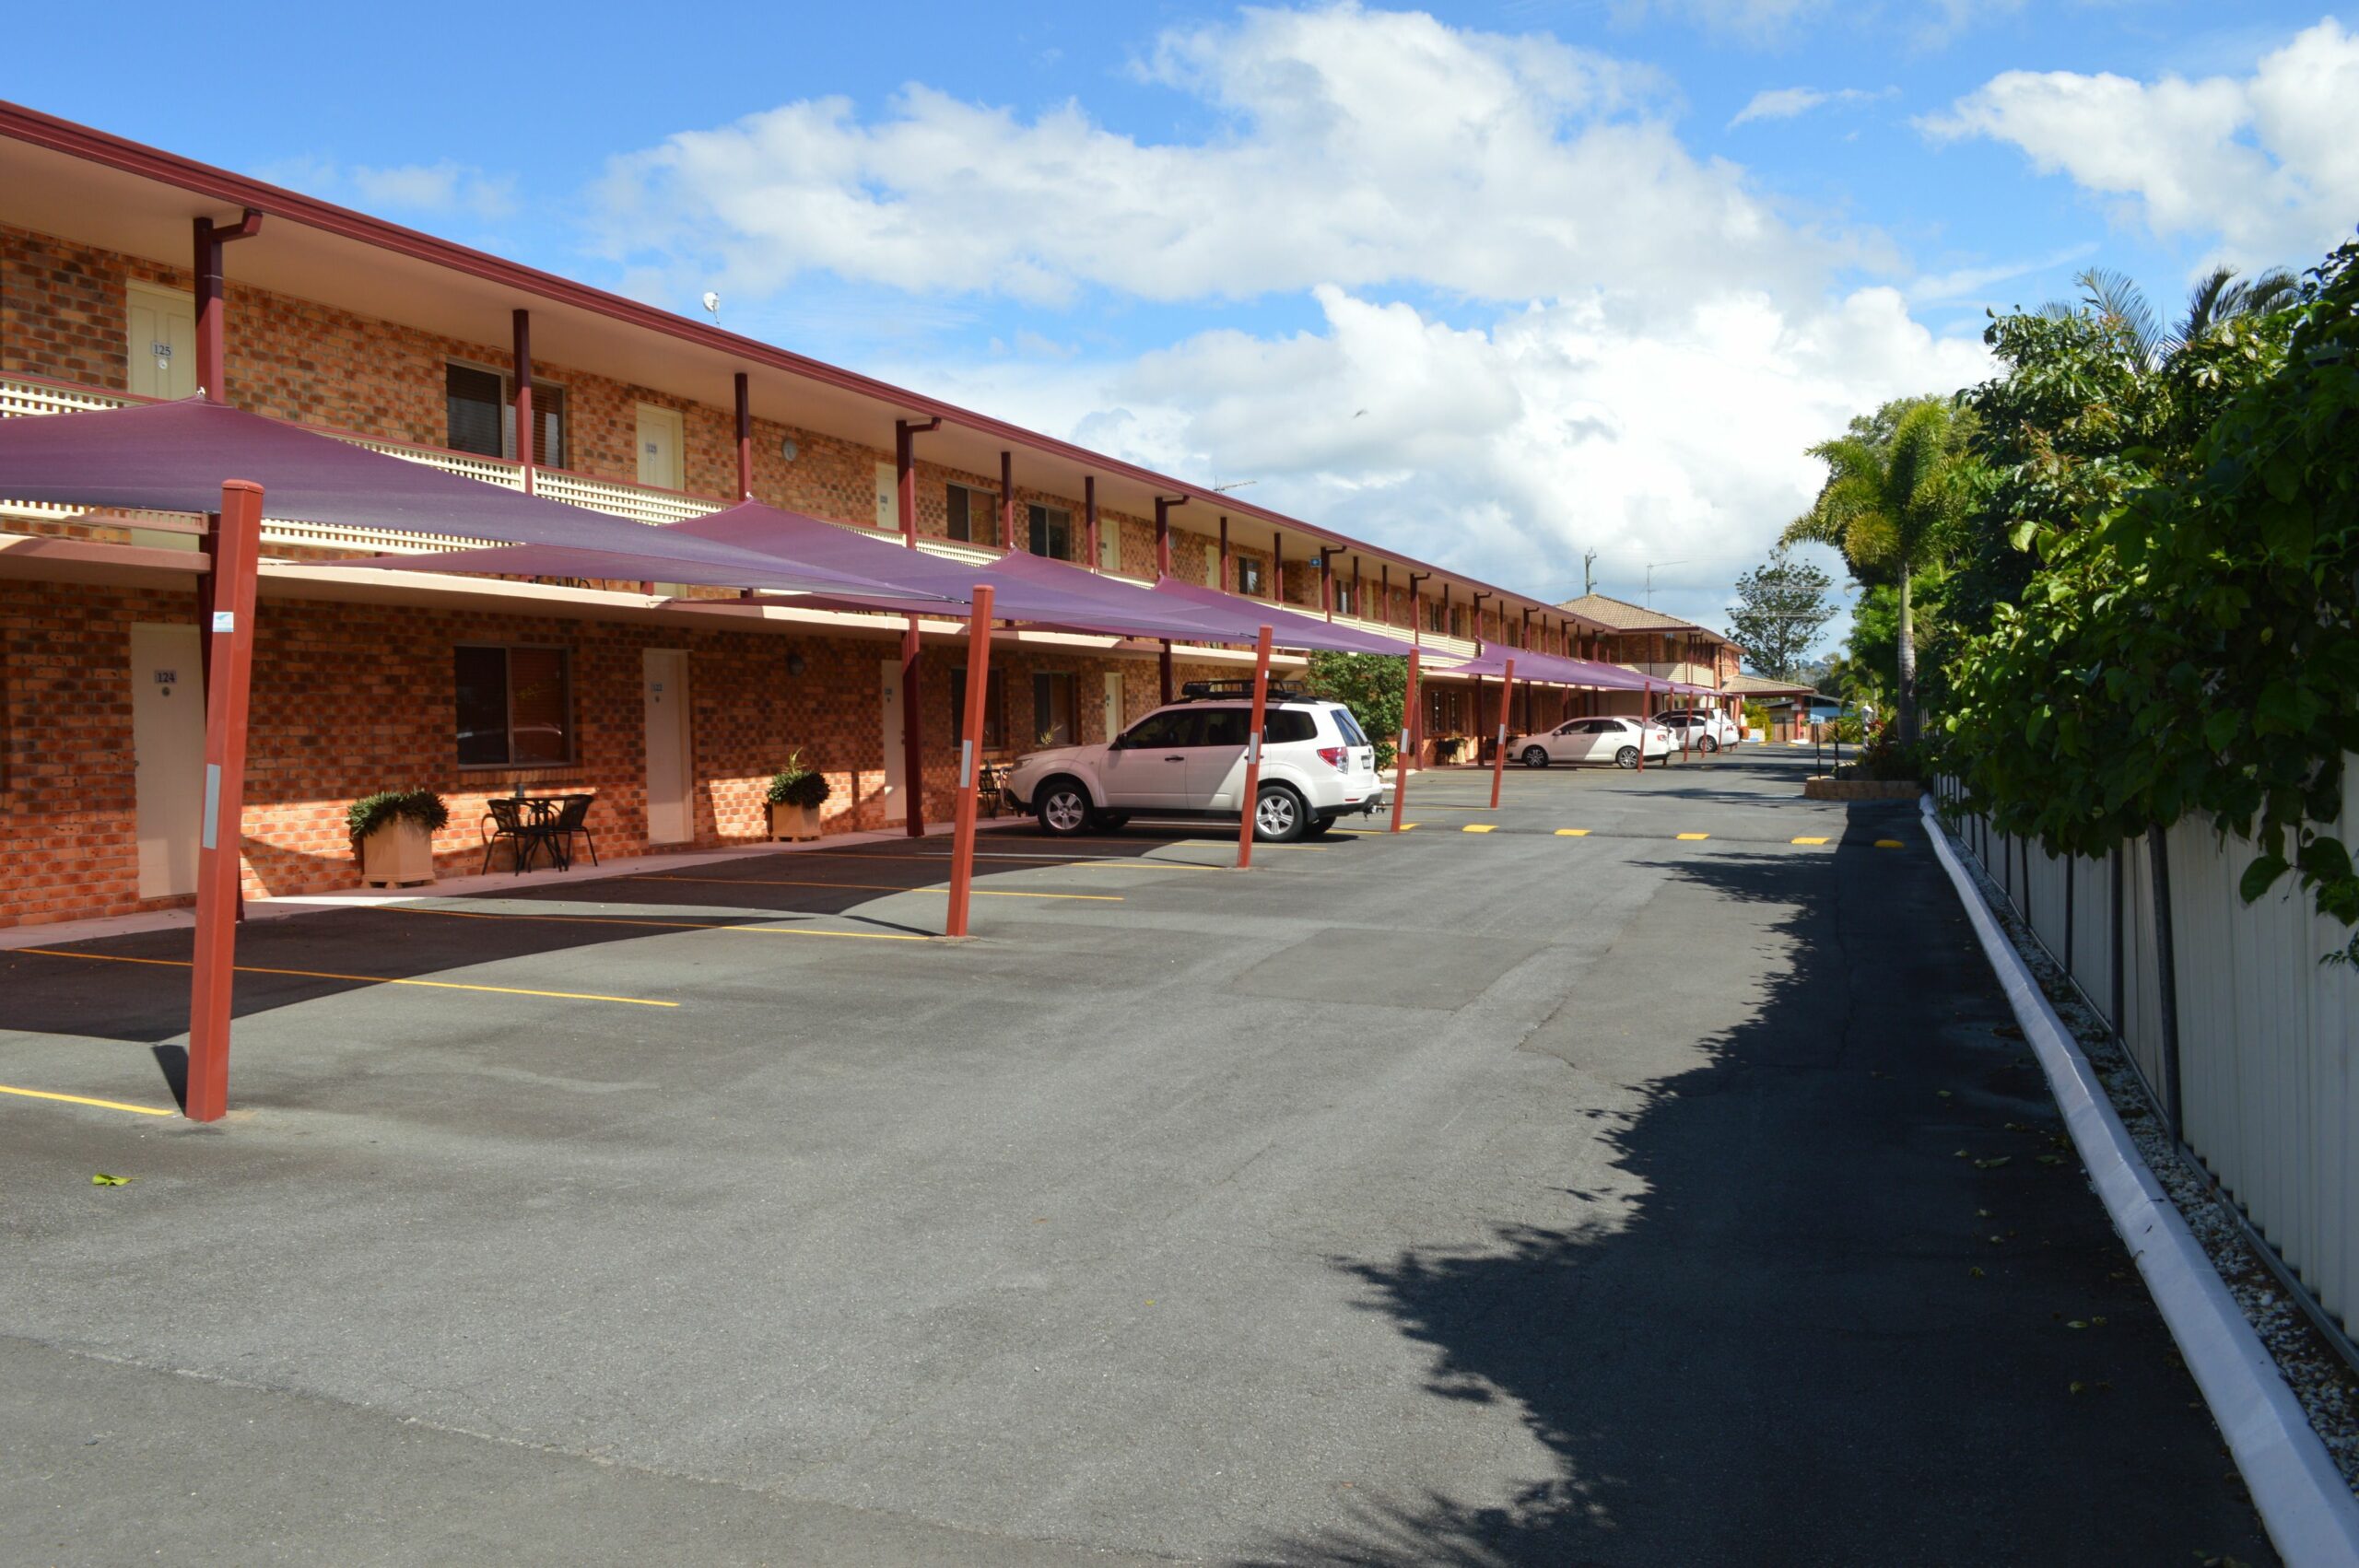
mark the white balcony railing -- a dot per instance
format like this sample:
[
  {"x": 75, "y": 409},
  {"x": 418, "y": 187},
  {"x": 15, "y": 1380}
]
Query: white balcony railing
[{"x": 640, "y": 503}]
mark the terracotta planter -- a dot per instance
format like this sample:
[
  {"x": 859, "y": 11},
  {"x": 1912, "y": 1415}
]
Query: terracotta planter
[
  {"x": 798, "y": 824},
  {"x": 399, "y": 854}
]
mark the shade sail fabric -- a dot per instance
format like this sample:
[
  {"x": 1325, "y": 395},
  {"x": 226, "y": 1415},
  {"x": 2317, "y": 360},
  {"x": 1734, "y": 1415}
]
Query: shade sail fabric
[
  {"x": 1242, "y": 620},
  {"x": 1024, "y": 588},
  {"x": 173, "y": 457},
  {"x": 567, "y": 561}
]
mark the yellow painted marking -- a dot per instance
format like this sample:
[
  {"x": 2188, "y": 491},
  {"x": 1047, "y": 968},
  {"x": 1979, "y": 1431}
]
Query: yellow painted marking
[
  {"x": 1890, "y": 844},
  {"x": 1480, "y": 827},
  {"x": 364, "y": 979},
  {"x": 1572, "y": 832},
  {"x": 83, "y": 1099},
  {"x": 1810, "y": 841},
  {"x": 871, "y": 887},
  {"x": 1691, "y": 837},
  {"x": 620, "y": 920}
]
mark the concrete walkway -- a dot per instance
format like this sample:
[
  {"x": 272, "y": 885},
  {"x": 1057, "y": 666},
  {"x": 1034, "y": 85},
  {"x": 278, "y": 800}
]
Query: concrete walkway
[{"x": 1572, "y": 1192}]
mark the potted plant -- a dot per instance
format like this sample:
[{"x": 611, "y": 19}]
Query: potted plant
[
  {"x": 797, "y": 794},
  {"x": 395, "y": 832}
]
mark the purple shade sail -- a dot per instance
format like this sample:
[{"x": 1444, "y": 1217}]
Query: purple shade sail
[
  {"x": 174, "y": 456},
  {"x": 1244, "y": 619}
]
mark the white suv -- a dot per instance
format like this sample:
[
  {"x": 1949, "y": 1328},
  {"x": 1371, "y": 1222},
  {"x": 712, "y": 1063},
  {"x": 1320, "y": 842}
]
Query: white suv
[{"x": 1188, "y": 761}]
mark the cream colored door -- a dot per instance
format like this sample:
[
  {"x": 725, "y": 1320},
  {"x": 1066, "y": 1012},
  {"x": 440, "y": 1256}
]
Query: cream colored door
[
  {"x": 670, "y": 776},
  {"x": 888, "y": 498},
  {"x": 160, "y": 341},
  {"x": 1113, "y": 719},
  {"x": 896, "y": 771},
  {"x": 662, "y": 442},
  {"x": 168, "y": 756}
]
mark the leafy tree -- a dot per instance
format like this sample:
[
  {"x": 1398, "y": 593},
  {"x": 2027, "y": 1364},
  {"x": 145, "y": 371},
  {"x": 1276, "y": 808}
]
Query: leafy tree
[
  {"x": 1782, "y": 607},
  {"x": 2184, "y": 639},
  {"x": 1373, "y": 685},
  {"x": 1895, "y": 481}
]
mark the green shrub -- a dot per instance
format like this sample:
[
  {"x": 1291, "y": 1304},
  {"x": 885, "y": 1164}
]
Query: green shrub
[
  {"x": 795, "y": 785},
  {"x": 422, "y": 806}
]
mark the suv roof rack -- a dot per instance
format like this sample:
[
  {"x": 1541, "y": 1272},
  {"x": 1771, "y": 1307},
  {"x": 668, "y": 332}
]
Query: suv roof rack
[{"x": 1232, "y": 691}]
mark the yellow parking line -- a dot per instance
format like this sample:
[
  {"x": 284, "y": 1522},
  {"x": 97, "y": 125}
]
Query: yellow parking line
[
  {"x": 871, "y": 887},
  {"x": 1480, "y": 827},
  {"x": 1890, "y": 844},
  {"x": 1572, "y": 832},
  {"x": 1691, "y": 837},
  {"x": 364, "y": 979},
  {"x": 84, "y": 1100},
  {"x": 1809, "y": 841},
  {"x": 620, "y": 920}
]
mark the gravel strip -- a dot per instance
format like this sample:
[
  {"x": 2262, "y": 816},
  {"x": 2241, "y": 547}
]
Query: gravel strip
[{"x": 2320, "y": 1378}]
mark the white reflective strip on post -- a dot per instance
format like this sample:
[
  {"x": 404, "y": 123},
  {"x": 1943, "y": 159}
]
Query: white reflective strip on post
[
  {"x": 211, "y": 836},
  {"x": 1252, "y": 748},
  {"x": 1502, "y": 734},
  {"x": 224, "y": 620},
  {"x": 966, "y": 762}
]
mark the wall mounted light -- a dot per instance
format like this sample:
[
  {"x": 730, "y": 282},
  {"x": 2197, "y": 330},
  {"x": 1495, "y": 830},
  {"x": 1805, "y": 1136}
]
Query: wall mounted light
[
  {"x": 796, "y": 665},
  {"x": 787, "y": 449}
]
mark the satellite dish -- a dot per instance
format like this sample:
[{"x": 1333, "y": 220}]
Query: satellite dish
[{"x": 712, "y": 303}]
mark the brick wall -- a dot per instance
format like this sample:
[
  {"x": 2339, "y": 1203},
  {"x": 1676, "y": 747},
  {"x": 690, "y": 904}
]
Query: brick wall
[{"x": 348, "y": 698}]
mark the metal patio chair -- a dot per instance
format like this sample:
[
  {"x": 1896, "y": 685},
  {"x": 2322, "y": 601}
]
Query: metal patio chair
[
  {"x": 572, "y": 817},
  {"x": 525, "y": 828}
]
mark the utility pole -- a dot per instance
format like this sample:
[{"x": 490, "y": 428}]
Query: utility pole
[{"x": 1588, "y": 573}]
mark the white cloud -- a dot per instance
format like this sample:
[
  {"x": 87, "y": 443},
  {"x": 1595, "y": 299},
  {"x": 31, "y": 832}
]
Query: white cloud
[
  {"x": 1354, "y": 146},
  {"x": 1762, "y": 23},
  {"x": 1785, "y": 103},
  {"x": 438, "y": 190},
  {"x": 2265, "y": 165},
  {"x": 1509, "y": 450},
  {"x": 1609, "y": 342}
]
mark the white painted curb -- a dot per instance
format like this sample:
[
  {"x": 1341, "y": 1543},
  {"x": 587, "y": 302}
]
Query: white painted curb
[{"x": 2309, "y": 1512}]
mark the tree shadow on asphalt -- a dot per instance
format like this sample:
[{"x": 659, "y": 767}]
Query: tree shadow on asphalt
[{"x": 1798, "y": 1347}]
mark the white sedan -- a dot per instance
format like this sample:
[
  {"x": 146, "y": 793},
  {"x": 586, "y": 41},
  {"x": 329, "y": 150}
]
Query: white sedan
[
  {"x": 1616, "y": 739},
  {"x": 1705, "y": 729}
]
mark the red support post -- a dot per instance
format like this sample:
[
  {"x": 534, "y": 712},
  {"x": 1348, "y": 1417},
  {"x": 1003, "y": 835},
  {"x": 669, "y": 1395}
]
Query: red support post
[
  {"x": 1500, "y": 752},
  {"x": 1250, "y": 801},
  {"x": 1089, "y": 519},
  {"x": 970, "y": 757},
  {"x": 744, "y": 438},
  {"x": 521, "y": 321},
  {"x": 1164, "y": 666},
  {"x": 1163, "y": 506},
  {"x": 231, "y": 631},
  {"x": 1646, "y": 701},
  {"x": 1408, "y": 744},
  {"x": 1277, "y": 568},
  {"x": 1224, "y": 552},
  {"x": 905, "y": 467}
]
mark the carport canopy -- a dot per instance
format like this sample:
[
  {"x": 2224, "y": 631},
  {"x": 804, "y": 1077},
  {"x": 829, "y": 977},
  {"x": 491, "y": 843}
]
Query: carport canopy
[
  {"x": 1242, "y": 618},
  {"x": 171, "y": 457}
]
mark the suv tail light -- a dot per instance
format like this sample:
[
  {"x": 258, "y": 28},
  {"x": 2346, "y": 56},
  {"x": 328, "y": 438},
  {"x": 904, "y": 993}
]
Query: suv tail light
[{"x": 1333, "y": 757}]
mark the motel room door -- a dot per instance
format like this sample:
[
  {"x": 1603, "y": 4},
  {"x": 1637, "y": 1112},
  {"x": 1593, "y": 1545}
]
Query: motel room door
[
  {"x": 1113, "y": 704},
  {"x": 670, "y": 819},
  {"x": 897, "y": 769},
  {"x": 168, "y": 756}
]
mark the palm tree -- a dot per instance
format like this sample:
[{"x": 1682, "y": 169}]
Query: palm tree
[
  {"x": 1892, "y": 487},
  {"x": 2217, "y": 298}
]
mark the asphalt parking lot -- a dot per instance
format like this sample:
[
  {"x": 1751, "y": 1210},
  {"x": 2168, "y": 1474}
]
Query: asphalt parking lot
[{"x": 1642, "y": 1173}]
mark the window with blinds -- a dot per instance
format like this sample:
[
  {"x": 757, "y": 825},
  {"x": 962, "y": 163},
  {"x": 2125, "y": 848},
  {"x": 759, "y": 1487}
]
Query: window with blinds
[
  {"x": 972, "y": 519},
  {"x": 477, "y": 418},
  {"x": 514, "y": 706},
  {"x": 994, "y": 707}
]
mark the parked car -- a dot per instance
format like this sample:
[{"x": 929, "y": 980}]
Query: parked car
[
  {"x": 1705, "y": 729},
  {"x": 1187, "y": 762},
  {"x": 1614, "y": 739}
]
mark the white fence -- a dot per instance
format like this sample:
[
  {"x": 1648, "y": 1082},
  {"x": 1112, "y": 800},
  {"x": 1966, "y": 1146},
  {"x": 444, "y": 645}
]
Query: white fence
[{"x": 2266, "y": 1087}]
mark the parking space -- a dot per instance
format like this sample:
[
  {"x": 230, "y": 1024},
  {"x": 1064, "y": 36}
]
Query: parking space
[{"x": 1444, "y": 1197}]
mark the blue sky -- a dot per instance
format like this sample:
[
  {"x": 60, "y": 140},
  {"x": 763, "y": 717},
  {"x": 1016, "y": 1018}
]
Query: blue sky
[{"x": 1497, "y": 283}]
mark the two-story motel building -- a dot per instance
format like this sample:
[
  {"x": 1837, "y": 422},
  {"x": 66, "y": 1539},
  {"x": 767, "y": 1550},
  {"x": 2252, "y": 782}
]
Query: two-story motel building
[{"x": 129, "y": 273}]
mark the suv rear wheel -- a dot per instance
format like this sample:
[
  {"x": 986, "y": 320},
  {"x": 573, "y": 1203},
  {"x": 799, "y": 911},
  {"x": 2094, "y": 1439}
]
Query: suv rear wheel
[
  {"x": 1278, "y": 815},
  {"x": 1626, "y": 757},
  {"x": 1062, "y": 806}
]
